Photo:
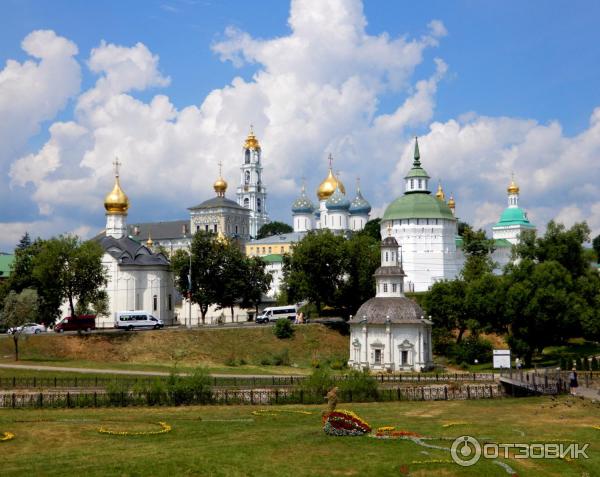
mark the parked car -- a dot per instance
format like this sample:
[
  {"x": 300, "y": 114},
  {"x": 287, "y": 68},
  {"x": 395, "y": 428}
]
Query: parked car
[
  {"x": 28, "y": 329},
  {"x": 76, "y": 323}
]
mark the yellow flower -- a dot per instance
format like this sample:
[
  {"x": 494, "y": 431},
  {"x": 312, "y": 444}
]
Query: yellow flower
[
  {"x": 450, "y": 424},
  {"x": 7, "y": 436}
]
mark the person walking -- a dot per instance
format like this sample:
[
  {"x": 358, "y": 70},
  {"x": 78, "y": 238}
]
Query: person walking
[{"x": 573, "y": 384}]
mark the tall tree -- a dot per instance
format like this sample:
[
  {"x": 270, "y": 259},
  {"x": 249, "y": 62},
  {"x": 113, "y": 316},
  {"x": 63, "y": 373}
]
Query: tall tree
[
  {"x": 19, "y": 308},
  {"x": 478, "y": 250},
  {"x": 445, "y": 303},
  {"x": 274, "y": 228},
  {"x": 361, "y": 257},
  {"x": 372, "y": 229},
  {"x": 256, "y": 282},
  {"x": 72, "y": 268},
  {"x": 230, "y": 274},
  {"x": 315, "y": 270},
  {"x": 596, "y": 247}
]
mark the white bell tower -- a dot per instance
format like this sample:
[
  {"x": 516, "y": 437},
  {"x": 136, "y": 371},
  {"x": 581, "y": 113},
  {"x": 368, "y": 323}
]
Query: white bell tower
[{"x": 251, "y": 193}]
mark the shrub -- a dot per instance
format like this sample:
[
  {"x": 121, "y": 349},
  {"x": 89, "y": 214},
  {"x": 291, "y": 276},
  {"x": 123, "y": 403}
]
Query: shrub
[
  {"x": 282, "y": 359},
  {"x": 361, "y": 384},
  {"x": 189, "y": 389},
  {"x": 470, "y": 349},
  {"x": 338, "y": 363},
  {"x": 319, "y": 382},
  {"x": 283, "y": 329},
  {"x": 266, "y": 361},
  {"x": 231, "y": 361},
  {"x": 117, "y": 393}
]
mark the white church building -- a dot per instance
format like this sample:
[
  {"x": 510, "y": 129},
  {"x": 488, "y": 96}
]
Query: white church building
[{"x": 389, "y": 332}]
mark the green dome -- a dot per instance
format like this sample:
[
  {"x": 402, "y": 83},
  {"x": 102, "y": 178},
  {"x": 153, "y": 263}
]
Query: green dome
[
  {"x": 418, "y": 206},
  {"x": 513, "y": 216}
]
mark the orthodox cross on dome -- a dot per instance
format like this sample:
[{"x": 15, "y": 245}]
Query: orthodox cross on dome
[
  {"x": 330, "y": 159},
  {"x": 220, "y": 168},
  {"x": 357, "y": 184},
  {"x": 116, "y": 165}
]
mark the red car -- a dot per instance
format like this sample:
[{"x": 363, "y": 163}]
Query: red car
[{"x": 76, "y": 323}]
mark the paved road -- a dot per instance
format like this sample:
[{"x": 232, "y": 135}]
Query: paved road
[{"x": 130, "y": 372}]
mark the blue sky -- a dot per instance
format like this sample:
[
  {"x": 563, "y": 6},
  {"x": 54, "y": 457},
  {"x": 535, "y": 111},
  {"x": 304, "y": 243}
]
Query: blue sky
[{"x": 516, "y": 91}]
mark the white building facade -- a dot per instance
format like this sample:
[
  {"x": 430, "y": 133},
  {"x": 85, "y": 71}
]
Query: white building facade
[{"x": 389, "y": 332}]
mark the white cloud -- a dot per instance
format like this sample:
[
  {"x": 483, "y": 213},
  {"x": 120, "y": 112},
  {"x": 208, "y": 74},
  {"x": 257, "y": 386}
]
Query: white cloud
[{"x": 35, "y": 90}]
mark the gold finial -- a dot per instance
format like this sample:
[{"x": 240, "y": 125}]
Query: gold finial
[
  {"x": 149, "y": 242},
  {"x": 451, "y": 203},
  {"x": 328, "y": 186},
  {"x": 513, "y": 188},
  {"x": 440, "y": 192},
  {"x": 116, "y": 202},
  {"x": 251, "y": 141},
  {"x": 220, "y": 184}
]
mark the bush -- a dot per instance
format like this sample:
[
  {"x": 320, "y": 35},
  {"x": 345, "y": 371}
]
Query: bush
[
  {"x": 470, "y": 349},
  {"x": 319, "y": 382},
  {"x": 283, "y": 329},
  {"x": 266, "y": 361},
  {"x": 282, "y": 359},
  {"x": 189, "y": 389},
  {"x": 361, "y": 384},
  {"x": 231, "y": 361}
]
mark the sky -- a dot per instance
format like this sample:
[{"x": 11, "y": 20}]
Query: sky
[{"x": 171, "y": 88}]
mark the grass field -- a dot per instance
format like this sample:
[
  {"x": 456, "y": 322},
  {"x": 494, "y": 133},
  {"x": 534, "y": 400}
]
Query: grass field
[
  {"x": 240, "y": 351},
  {"x": 231, "y": 441}
]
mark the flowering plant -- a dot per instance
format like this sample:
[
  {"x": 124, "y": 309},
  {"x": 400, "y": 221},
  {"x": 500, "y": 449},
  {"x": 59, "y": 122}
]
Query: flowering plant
[
  {"x": 164, "y": 428},
  {"x": 344, "y": 423},
  {"x": 6, "y": 436},
  {"x": 275, "y": 412},
  {"x": 391, "y": 432}
]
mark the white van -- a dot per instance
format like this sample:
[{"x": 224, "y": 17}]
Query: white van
[
  {"x": 274, "y": 313},
  {"x": 129, "y": 320}
]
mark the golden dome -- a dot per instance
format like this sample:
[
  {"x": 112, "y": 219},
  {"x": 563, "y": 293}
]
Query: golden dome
[
  {"x": 328, "y": 186},
  {"x": 220, "y": 186},
  {"x": 251, "y": 141},
  {"x": 451, "y": 202},
  {"x": 440, "y": 192},
  {"x": 149, "y": 242},
  {"x": 116, "y": 202},
  {"x": 513, "y": 188}
]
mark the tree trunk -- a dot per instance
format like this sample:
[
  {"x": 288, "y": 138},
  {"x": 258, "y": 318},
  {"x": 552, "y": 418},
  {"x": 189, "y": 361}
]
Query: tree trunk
[
  {"x": 16, "y": 341},
  {"x": 203, "y": 311},
  {"x": 461, "y": 332},
  {"x": 71, "y": 306},
  {"x": 231, "y": 308}
]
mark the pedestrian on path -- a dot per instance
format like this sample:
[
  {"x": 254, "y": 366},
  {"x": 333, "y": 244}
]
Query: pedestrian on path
[{"x": 573, "y": 383}]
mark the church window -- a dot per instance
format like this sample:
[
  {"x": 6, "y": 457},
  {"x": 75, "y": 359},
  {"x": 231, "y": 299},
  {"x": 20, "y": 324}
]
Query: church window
[
  {"x": 394, "y": 287},
  {"x": 420, "y": 183},
  {"x": 247, "y": 203},
  {"x": 263, "y": 250},
  {"x": 247, "y": 177},
  {"x": 205, "y": 227},
  {"x": 412, "y": 183},
  {"x": 377, "y": 356},
  {"x": 385, "y": 287},
  {"x": 170, "y": 302},
  {"x": 269, "y": 249},
  {"x": 215, "y": 228},
  {"x": 258, "y": 205},
  {"x": 404, "y": 357},
  {"x": 236, "y": 229},
  {"x": 247, "y": 156},
  {"x": 386, "y": 257},
  {"x": 154, "y": 303}
]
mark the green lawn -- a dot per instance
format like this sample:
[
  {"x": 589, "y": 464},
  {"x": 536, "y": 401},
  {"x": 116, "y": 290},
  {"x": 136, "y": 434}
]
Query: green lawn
[{"x": 231, "y": 441}]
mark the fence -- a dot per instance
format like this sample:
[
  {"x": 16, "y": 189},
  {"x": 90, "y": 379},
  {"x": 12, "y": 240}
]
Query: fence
[
  {"x": 25, "y": 382},
  {"x": 237, "y": 396}
]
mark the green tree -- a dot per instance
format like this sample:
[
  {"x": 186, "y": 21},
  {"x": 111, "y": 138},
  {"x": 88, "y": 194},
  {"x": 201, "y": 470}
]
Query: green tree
[
  {"x": 274, "y": 228},
  {"x": 478, "y": 250},
  {"x": 372, "y": 229},
  {"x": 19, "y": 308},
  {"x": 256, "y": 282},
  {"x": 445, "y": 303},
  {"x": 72, "y": 268},
  {"x": 361, "y": 257},
  {"x": 204, "y": 267},
  {"x": 315, "y": 270},
  {"x": 229, "y": 275},
  {"x": 596, "y": 247}
]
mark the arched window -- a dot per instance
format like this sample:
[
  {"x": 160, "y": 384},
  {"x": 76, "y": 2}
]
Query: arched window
[
  {"x": 247, "y": 156},
  {"x": 247, "y": 177},
  {"x": 154, "y": 303},
  {"x": 247, "y": 203},
  {"x": 258, "y": 205}
]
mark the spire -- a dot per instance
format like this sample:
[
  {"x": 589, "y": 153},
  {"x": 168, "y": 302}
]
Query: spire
[{"x": 417, "y": 156}]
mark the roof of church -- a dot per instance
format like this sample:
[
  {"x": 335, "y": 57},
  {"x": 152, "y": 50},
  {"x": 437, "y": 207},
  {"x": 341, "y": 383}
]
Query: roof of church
[
  {"x": 279, "y": 238},
  {"x": 418, "y": 206},
  {"x": 129, "y": 252},
  {"x": 360, "y": 205},
  {"x": 498, "y": 243},
  {"x": 172, "y": 229},
  {"x": 393, "y": 271},
  {"x": 397, "y": 309},
  {"x": 514, "y": 216},
  {"x": 337, "y": 201},
  {"x": 216, "y": 202}
]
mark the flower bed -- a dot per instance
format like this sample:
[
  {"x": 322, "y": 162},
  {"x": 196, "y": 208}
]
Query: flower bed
[
  {"x": 6, "y": 436},
  {"x": 164, "y": 428},
  {"x": 344, "y": 423}
]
